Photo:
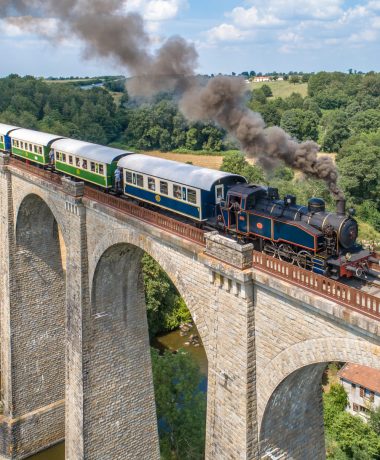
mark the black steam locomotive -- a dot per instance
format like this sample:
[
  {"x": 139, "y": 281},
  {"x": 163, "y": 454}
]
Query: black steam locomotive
[{"x": 320, "y": 241}]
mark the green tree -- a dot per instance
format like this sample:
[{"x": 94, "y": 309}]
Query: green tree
[
  {"x": 236, "y": 163},
  {"x": 335, "y": 130},
  {"x": 266, "y": 89},
  {"x": 166, "y": 309},
  {"x": 300, "y": 124},
  {"x": 181, "y": 407},
  {"x": 294, "y": 79},
  {"x": 366, "y": 121},
  {"x": 359, "y": 165},
  {"x": 374, "y": 420}
]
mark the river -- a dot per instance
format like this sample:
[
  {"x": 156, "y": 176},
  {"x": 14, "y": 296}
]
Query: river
[{"x": 171, "y": 341}]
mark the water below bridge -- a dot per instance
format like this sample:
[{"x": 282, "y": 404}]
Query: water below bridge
[{"x": 171, "y": 341}]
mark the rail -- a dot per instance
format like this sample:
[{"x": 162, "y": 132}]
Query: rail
[
  {"x": 36, "y": 171},
  {"x": 186, "y": 231},
  {"x": 347, "y": 296}
]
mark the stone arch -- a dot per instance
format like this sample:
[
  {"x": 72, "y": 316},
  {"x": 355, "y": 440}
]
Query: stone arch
[
  {"x": 290, "y": 408},
  {"x": 32, "y": 190},
  {"x": 168, "y": 263},
  {"x": 37, "y": 317}
]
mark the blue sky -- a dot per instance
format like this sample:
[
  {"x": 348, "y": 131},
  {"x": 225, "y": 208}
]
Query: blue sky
[{"x": 230, "y": 36}]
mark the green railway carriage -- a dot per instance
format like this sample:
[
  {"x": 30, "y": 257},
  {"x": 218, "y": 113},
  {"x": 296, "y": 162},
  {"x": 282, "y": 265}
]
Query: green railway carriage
[
  {"x": 32, "y": 145},
  {"x": 5, "y": 141},
  {"x": 89, "y": 162}
]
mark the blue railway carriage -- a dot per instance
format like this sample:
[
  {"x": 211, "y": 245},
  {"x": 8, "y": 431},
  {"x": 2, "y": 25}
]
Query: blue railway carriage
[
  {"x": 185, "y": 189},
  {"x": 5, "y": 140},
  {"x": 89, "y": 162},
  {"x": 32, "y": 145}
]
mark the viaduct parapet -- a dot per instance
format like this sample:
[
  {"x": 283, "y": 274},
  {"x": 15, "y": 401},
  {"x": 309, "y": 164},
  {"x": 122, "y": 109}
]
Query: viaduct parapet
[{"x": 75, "y": 358}]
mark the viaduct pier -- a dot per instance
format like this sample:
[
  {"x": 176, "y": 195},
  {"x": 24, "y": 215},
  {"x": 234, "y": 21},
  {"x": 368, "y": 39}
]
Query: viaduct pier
[{"x": 75, "y": 358}]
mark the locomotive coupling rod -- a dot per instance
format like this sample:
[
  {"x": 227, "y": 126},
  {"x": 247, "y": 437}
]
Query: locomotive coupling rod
[{"x": 373, "y": 260}]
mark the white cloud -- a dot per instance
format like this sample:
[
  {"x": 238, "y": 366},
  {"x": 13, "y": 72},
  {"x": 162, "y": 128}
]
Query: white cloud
[
  {"x": 225, "y": 33},
  {"x": 156, "y": 10},
  {"x": 247, "y": 18}
]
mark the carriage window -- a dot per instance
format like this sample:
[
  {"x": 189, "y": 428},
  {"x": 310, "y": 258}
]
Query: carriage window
[
  {"x": 63, "y": 157},
  {"x": 151, "y": 184},
  {"x": 40, "y": 150},
  {"x": 77, "y": 162},
  {"x": 164, "y": 187},
  {"x": 84, "y": 164},
  {"x": 177, "y": 192},
  {"x": 139, "y": 180},
  {"x": 92, "y": 166},
  {"x": 184, "y": 194},
  {"x": 101, "y": 169},
  {"x": 128, "y": 177},
  {"x": 35, "y": 149},
  {"x": 70, "y": 159},
  {"x": 191, "y": 196},
  {"x": 31, "y": 147},
  {"x": 22, "y": 145}
]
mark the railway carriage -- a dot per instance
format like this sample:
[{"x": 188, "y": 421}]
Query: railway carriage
[
  {"x": 5, "y": 140},
  {"x": 89, "y": 162},
  {"x": 32, "y": 145},
  {"x": 188, "y": 190}
]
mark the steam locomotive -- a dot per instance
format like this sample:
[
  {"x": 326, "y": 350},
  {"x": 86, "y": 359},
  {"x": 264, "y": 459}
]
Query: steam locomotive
[{"x": 316, "y": 240}]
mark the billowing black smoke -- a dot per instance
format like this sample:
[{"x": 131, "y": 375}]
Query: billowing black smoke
[{"x": 110, "y": 32}]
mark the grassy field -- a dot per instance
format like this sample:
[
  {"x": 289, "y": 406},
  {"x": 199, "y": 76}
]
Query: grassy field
[
  {"x": 207, "y": 161},
  {"x": 283, "y": 88}
]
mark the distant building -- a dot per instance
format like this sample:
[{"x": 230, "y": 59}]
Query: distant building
[
  {"x": 261, "y": 79},
  {"x": 362, "y": 385}
]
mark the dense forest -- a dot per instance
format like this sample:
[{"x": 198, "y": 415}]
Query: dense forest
[{"x": 341, "y": 112}]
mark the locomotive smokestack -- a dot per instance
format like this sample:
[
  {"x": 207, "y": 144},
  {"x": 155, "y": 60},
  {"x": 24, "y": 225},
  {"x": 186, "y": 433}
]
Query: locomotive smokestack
[{"x": 341, "y": 207}]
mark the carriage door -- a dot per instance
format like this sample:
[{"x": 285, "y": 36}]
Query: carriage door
[{"x": 219, "y": 193}]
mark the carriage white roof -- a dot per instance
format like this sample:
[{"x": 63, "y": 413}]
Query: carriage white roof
[
  {"x": 89, "y": 151},
  {"x": 35, "y": 137},
  {"x": 4, "y": 129},
  {"x": 182, "y": 173}
]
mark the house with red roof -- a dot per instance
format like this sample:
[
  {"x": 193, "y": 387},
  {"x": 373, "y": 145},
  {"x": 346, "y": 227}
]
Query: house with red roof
[{"x": 362, "y": 385}]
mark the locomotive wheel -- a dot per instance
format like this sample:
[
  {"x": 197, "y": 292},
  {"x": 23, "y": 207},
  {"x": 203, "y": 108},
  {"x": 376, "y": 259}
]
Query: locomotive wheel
[
  {"x": 304, "y": 260},
  {"x": 270, "y": 249},
  {"x": 286, "y": 253}
]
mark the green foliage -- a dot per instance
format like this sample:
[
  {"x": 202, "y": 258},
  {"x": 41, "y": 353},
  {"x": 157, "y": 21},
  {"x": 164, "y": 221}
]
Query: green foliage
[
  {"x": 300, "y": 124},
  {"x": 181, "y": 407},
  {"x": 236, "y": 163},
  {"x": 366, "y": 121},
  {"x": 266, "y": 89},
  {"x": 347, "y": 435},
  {"x": 166, "y": 309},
  {"x": 359, "y": 164},
  {"x": 335, "y": 125},
  {"x": 374, "y": 420}
]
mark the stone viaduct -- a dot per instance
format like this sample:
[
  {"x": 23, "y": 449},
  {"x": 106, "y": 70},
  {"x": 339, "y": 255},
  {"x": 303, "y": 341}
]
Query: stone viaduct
[{"x": 75, "y": 360}]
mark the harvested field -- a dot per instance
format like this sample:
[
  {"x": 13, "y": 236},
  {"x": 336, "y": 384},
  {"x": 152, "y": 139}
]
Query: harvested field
[{"x": 207, "y": 161}]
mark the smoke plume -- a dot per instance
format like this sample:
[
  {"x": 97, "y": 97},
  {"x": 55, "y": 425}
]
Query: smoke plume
[
  {"x": 109, "y": 32},
  {"x": 223, "y": 100}
]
